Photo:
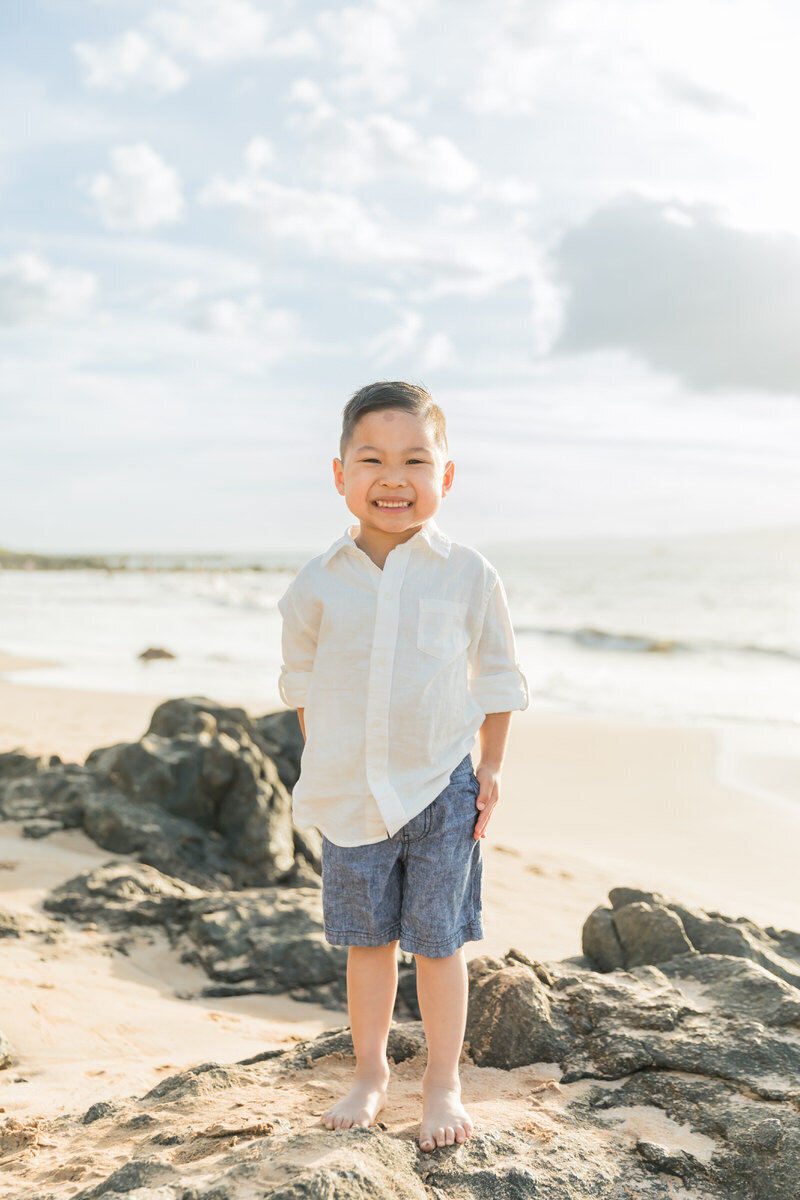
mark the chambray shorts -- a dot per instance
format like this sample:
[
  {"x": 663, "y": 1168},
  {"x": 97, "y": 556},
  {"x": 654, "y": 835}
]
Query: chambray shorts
[{"x": 421, "y": 886}]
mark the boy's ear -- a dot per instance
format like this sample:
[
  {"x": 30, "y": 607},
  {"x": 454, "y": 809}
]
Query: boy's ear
[{"x": 338, "y": 474}]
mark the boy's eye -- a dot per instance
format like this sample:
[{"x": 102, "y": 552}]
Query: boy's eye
[{"x": 412, "y": 460}]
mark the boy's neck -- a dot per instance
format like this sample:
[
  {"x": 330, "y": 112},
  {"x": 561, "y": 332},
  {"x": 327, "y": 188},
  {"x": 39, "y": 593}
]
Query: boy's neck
[{"x": 377, "y": 544}]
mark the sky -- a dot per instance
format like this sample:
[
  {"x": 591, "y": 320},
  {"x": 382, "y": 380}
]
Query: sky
[{"x": 575, "y": 223}]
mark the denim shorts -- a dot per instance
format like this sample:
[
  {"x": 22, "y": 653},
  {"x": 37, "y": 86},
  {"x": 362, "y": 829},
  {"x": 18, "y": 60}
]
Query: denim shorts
[{"x": 422, "y": 886}]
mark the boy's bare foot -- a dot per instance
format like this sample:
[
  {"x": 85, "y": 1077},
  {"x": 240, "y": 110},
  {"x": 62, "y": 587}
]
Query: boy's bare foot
[
  {"x": 444, "y": 1118},
  {"x": 362, "y": 1103}
]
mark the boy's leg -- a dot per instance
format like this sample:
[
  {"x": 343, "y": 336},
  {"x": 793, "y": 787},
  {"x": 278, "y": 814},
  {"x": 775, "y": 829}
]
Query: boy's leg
[
  {"x": 371, "y": 993},
  {"x": 442, "y": 991}
]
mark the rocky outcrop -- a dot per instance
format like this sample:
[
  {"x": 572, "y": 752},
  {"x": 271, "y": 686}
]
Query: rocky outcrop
[
  {"x": 642, "y": 927},
  {"x": 647, "y": 1097},
  {"x": 199, "y": 796},
  {"x": 663, "y": 1080},
  {"x": 265, "y": 940},
  {"x": 670, "y": 1048}
]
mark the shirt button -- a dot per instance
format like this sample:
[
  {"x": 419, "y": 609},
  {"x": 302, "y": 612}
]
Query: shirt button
[{"x": 376, "y": 724}]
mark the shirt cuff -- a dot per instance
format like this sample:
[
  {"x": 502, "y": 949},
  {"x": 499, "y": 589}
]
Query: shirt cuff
[
  {"x": 504, "y": 692},
  {"x": 293, "y": 686}
]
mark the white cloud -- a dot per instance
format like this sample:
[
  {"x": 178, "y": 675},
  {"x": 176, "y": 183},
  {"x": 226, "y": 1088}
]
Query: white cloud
[
  {"x": 509, "y": 81},
  {"x": 259, "y": 153},
  {"x": 300, "y": 43},
  {"x": 407, "y": 340},
  {"x": 129, "y": 61},
  {"x": 327, "y": 224},
  {"x": 31, "y": 289},
  {"x": 319, "y": 222},
  {"x": 438, "y": 351},
  {"x": 247, "y": 318},
  {"x": 671, "y": 283},
  {"x": 366, "y": 42},
  {"x": 396, "y": 341},
  {"x": 344, "y": 150},
  {"x": 141, "y": 191},
  {"x": 212, "y": 31}
]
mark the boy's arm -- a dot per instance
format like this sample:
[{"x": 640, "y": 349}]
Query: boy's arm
[
  {"x": 495, "y": 678},
  {"x": 498, "y": 684},
  {"x": 299, "y": 648},
  {"x": 494, "y": 735}
]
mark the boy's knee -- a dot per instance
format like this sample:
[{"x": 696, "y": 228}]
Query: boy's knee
[
  {"x": 384, "y": 946},
  {"x": 441, "y": 958}
]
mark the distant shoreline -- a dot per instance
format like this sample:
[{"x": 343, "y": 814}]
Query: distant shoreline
[
  {"x": 12, "y": 560},
  {"x": 784, "y": 537}
]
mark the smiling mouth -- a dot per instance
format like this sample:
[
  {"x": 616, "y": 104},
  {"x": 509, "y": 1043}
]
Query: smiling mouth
[{"x": 396, "y": 505}]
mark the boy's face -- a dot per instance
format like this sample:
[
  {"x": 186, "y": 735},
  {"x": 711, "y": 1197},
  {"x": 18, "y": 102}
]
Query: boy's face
[{"x": 392, "y": 455}]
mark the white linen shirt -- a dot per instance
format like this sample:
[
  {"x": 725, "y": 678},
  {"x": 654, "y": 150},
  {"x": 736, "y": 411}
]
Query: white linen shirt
[{"x": 396, "y": 669}]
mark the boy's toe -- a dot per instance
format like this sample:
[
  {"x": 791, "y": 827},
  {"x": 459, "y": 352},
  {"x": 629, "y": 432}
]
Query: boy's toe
[{"x": 449, "y": 1135}]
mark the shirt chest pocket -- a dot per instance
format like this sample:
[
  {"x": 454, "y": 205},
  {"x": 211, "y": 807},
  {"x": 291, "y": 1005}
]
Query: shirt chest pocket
[{"x": 442, "y": 628}]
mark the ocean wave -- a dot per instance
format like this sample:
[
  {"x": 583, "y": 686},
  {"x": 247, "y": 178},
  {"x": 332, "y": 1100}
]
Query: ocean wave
[{"x": 595, "y": 638}]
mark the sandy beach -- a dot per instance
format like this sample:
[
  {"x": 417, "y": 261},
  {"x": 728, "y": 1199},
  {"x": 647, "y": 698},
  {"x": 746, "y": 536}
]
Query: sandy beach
[{"x": 587, "y": 803}]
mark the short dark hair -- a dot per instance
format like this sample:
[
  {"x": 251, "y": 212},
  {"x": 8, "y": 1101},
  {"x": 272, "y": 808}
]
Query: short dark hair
[{"x": 392, "y": 394}]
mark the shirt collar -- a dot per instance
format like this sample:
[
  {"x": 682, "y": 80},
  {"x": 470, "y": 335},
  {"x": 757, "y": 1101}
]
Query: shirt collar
[{"x": 436, "y": 538}]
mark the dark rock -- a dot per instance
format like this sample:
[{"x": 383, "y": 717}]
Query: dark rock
[
  {"x": 651, "y": 929},
  {"x": 16, "y": 763},
  {"x": 154, "y": 652},
  {"x": 139, "y": 1173},
  {"x": 406, "y": 1040},
  {"x": 199, "y": 761},
  {"x": 272, "y": 936},
  {"x": 258, "y": 941},
  {"x": 601, "y": 941},
  {"x": 35, "y": 791},
  {"x": 510, "y": 1020},
  {"x": 610, "y": 1025},
  {"x": 42, "y": 827},
  {"x": 649, "y": 933},
  {"x": 282, "y": 740},
  {"x": 197, "y": 1081},
  {"x": 125, "y": 893},
  {"x": 103, "y": 1108},
  {"x": 7, "y": 1056},
  {"x": 173, "y": 845},
  {"x": 198, "y": 797},
  {"x": 16, "y": 924}
]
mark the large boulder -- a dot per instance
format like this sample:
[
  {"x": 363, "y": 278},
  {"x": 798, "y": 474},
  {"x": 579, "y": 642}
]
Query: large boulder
[
  {"x": 640, "y": 927},
  {"x": 198, "y": 796}
]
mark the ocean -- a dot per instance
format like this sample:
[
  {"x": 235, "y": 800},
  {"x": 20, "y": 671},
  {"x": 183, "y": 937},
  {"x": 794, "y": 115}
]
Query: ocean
[{"x": 700, "y": 629}]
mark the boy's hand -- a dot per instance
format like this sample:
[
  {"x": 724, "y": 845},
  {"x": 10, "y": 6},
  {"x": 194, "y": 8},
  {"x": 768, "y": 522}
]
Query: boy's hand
[{"x": 489, "y": 779}]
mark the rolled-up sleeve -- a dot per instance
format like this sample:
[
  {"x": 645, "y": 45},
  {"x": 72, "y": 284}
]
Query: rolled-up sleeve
[
  {"x": 496, "y": 680},
  {"x": 298, "y": 646}
]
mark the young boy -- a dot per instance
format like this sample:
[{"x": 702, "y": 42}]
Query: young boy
[{"x": 398, "y": 649}]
